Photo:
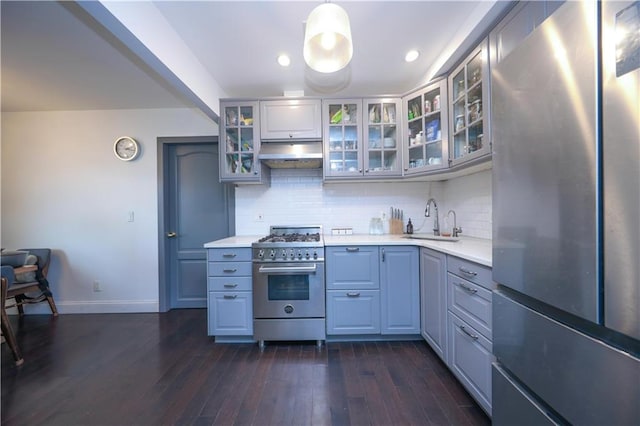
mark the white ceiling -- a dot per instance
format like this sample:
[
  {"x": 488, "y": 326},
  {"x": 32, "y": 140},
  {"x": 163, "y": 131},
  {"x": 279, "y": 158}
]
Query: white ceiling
[{"x": 55, "y": 57}]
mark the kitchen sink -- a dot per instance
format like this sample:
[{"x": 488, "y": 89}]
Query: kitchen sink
[{"x": 431, "y": 237}]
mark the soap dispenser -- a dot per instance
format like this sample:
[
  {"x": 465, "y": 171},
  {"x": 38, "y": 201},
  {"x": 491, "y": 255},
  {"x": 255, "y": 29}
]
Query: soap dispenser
[{"x": 409, "y": 227}]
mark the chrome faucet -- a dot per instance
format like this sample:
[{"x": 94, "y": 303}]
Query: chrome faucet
[
  {"x": 455, "y": 231},
  {"x": 427, "y": 213}
]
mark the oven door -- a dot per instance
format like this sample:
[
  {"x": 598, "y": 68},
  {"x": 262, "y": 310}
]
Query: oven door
[{"x": 288, "y": 290}]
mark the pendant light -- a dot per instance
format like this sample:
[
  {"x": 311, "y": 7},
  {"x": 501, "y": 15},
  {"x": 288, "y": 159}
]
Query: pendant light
[{"x": 327, "y": 39}]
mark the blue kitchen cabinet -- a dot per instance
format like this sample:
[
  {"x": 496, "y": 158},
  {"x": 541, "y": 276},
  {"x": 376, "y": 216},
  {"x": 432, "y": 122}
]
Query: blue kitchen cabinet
[
  {"x": 229, "y": 293},
  {"x": 353, "y": 290},
  {"x": 400, "y": 290},
  {"x": 433, "y": 300},
  {"x": 352, "y": 268},
  {"x": 353, "y": 311}
]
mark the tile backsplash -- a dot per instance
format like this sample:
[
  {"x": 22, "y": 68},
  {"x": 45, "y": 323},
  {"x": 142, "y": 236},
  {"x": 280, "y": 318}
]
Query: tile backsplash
[{"x": 299, "y": 197}]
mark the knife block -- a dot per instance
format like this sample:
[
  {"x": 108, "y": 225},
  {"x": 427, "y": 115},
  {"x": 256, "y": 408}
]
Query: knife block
[{"x": 396, "y": 226}]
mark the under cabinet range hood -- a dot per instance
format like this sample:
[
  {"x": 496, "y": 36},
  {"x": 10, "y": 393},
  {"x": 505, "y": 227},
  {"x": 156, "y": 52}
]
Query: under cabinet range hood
[{"x": 291, "y": 155}]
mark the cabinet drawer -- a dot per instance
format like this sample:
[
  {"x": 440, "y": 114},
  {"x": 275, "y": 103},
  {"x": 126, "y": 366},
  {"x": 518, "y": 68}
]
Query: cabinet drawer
[
  {"x": 470, "y": 271},
  {"x": 470, "y": 302},
  {"x": 353, "y": 267},
  {"x": 232, "y": 283},
  {"x": 229, "y": 269},
  {"x": 470, "y": 360},
  {"x": 353, "y": 312},
  {"x": 229, "y": 254},
  {"x": 230, "y": 313}
]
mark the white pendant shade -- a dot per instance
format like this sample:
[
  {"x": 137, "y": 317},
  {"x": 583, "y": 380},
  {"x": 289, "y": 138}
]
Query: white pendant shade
[{"x": 327, "y": 39}]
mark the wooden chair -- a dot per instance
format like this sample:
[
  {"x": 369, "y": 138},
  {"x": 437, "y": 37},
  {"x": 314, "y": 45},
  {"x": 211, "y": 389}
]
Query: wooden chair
[{"x": 11, "y": 288}]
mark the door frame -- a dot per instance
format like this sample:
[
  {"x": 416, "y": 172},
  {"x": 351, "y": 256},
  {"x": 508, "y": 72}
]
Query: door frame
[{"x": 163, "y": 144}]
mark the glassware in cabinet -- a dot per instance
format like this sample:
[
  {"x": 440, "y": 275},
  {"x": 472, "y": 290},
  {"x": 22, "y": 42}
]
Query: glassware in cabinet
[
  {"x": 342, "y": 138},
  {"x": 239, "y": 147},
  {"x": 426, "y": 146},
  {"x": 382, "y": 136},
  {"x": 468, "y": 107}
]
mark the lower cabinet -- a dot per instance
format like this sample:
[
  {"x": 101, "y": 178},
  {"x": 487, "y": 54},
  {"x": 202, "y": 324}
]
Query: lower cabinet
[
  {"x": 353, "y": 312},
  {"x": 372, "y": 290},
  {"x": 433, "y": 300},
  {"x": 400, "y": 290},
  {"x": 229, "y": 292},
  {"x": 470, "y": 358},
  {"x": 230, "y": 313},
  {"x": 469, "y": 347}
]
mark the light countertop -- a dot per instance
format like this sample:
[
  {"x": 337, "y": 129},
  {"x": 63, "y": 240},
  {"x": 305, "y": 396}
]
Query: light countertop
[{"x": 473, "y": 249}]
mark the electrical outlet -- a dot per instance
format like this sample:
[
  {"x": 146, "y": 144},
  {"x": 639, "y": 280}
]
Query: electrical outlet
[
  {"x": 259, "y": 217},
  {"x": 96, "y": 286}
]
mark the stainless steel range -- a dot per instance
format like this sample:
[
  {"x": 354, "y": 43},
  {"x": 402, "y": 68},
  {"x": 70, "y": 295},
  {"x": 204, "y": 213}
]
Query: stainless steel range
[{"x": 288, "y": 285}]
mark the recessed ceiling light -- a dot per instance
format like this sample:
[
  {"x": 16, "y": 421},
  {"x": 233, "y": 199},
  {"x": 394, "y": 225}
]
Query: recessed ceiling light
[
  {"x": 411, "y": 56},
  {"x": 284, "y": 60}
]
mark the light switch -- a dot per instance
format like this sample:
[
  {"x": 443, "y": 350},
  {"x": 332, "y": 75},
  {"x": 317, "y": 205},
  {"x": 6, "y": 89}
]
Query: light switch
[{"x": 131, "y": 216}]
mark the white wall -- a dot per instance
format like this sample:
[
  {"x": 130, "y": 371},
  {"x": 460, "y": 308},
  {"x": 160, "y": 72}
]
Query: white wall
[
  {"x": 63, "y": 188},
  {"x": 299, "y": 197}
]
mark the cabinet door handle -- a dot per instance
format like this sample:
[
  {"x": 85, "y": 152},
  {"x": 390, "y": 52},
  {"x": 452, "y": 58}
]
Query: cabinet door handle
[
  {"x": 353, "y": 249},
  {"x": 230, "y": 285},
  {"x": 467, "y": 288},
  {"x": 468, "y": 272},
  {"x": 353, "y": 294},
  {"x": 464, "y": 330},
  {"x": 229, "y": 271},
  {"x": 230, "y": 296},
  {"x": 229, "y": 255},
  {"x": 383, "y": 255}
]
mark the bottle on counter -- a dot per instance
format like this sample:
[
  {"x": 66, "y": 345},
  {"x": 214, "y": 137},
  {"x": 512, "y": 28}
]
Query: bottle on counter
[{"x": 409, "y": 227}]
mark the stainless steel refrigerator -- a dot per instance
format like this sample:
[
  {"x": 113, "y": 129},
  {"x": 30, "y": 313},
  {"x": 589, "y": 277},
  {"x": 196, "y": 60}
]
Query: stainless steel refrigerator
[{"x": 566, "y": 218}]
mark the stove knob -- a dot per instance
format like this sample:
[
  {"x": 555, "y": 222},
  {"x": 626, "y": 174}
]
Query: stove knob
[
  {"x": 307, "y": 255},
  {"x": 260, "y": 253},
  {"x": 292, "y": 254},
  {"x": 315, "y": 254},
  {"x": 272, "y": 254},
  {"x": 284, "y": 253},
  {"x": 299, "y": 254}
]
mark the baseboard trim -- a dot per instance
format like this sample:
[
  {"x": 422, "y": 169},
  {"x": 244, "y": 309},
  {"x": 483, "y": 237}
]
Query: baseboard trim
[{"x": 93, "y": 307}]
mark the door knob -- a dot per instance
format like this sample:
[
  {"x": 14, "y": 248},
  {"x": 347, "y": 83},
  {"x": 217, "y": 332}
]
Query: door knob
[{"x": 171, "y": 235}]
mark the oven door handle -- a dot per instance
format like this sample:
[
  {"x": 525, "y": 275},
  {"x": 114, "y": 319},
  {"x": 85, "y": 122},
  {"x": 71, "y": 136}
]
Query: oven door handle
[{"x": 286, "y": 269}]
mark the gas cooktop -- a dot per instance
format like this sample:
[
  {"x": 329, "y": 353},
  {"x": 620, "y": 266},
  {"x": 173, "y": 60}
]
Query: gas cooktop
[{"x": 290, "y": 243}]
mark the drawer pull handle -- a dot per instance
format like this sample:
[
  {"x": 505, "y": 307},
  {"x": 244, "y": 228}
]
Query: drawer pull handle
[
  {"x": 230, "y": 285},
  {"x": 230, "y": 296},
  {"x": 467, "y": 288},
  {"x": 229, "y": 255},
  {"x": 468, "y": 272},
  {"x": 464, "y": 330},
  {"x": 353, "y": 249},
  {"x": 353, "y": 294},
  {"x": 229, "y": 271}
]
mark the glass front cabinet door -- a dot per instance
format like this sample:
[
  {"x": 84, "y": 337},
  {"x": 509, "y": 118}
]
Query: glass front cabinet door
[
  {"x": 382, "y": 137},
  {"x": 239, "y": 142},
  {"x": 469, "y": 107},
  {"x": 426, "y": 144},
  {"x": 342, "y": 138}
]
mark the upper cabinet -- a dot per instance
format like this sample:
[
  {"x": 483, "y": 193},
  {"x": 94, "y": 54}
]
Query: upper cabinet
[
  {"x": 426, "y": 145},
  {"x": 239, "y": 143},
  {"x": 362, "y": 138},
  {"x": 291, "y": 119},
  {"x": 469, "y": 107},
  {"x": 382, "y": 137},
  {"x": 342, "y": 138}
]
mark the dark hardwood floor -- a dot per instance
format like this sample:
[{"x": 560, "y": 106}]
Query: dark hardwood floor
[{"x": 162, "y": 369}]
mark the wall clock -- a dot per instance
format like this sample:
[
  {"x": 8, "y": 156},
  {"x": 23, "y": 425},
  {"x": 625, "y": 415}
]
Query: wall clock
[{"x": 126, "y": 148}]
